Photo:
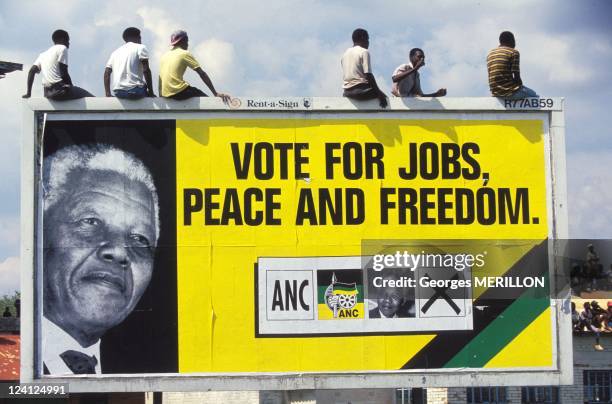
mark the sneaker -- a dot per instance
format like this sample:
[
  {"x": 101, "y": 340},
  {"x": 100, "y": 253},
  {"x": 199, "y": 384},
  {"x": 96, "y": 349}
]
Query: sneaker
[{"x": 598, "y": 347}]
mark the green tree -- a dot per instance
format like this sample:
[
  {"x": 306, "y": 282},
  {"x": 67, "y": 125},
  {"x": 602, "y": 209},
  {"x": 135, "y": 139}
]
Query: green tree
[{"x": 9, "y": 301}]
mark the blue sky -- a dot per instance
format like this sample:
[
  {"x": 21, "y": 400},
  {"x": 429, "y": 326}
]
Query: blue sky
[{"x": 291, "y": 48}]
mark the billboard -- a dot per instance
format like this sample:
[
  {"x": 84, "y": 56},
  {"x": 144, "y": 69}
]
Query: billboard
[{"x": 210, "y": 245}]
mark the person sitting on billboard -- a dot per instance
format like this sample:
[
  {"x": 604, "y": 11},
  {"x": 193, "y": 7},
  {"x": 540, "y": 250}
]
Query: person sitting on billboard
[
  {"x": 101, "y": 226},
  {"x": 407, "y": 80},
  {"x": 592, "y": 323},
  {"x": 504, "y": 70},
  {"x": 576, "y": 327},
  {"x": 599, "y": 315},
  {"x": 53, "y": 67},
  {"x": 359, "y": 82},
  {"x": 129, "y": 65},
  {"x": 172, "y": 69},
  {"x": 392, "y": 302},
  {"x": 596, "y": 308}
]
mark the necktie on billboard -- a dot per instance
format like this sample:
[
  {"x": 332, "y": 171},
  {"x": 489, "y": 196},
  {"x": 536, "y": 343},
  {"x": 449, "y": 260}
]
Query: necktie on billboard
[{"x": 78, "y": 362}]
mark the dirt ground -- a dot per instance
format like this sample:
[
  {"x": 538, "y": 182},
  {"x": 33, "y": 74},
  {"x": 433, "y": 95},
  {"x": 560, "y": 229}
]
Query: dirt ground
[{"x": 9, "y": 357}]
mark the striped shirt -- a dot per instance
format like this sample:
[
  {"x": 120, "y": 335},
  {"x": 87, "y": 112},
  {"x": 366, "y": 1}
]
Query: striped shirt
[{"x": 501, "y": 63}]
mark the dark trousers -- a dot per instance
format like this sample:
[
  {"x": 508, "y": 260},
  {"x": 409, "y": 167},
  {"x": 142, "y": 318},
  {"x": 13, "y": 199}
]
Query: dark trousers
[
  {"x": 361, "y": 92},
  {"x": 62, "y": 92},
  {"x": 189, "y": 92}
]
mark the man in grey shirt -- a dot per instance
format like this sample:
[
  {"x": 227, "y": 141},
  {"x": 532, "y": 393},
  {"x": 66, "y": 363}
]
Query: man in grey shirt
[{"x": 407, "y": 80}]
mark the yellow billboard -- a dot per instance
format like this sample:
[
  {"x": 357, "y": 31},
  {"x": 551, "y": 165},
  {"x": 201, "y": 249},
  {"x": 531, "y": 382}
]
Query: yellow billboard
[{"x": 271, "y": 218}]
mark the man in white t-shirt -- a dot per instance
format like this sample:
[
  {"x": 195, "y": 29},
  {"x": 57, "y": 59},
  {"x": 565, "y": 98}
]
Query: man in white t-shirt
[
  {"x": 129, "y": 66},
  {"x": 53, "y": 67},
  {"x": 407, "y": 80},
  {"x": 359, "y": 82}
]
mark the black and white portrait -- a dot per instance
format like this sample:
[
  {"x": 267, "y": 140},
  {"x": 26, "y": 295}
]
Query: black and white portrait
[
  {"x": 389, "y": 293},
  {"x": 101, "y": 229}
]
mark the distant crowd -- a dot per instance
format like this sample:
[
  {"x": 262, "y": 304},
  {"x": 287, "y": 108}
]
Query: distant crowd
[
  {"x": 128, "y": 75},
  {"x": 590, "y": 276},
  {"x": 593, "y": 318}
]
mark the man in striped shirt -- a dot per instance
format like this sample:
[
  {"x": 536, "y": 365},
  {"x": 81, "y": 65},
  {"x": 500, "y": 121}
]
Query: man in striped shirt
[{"x": 504, "y": 71}]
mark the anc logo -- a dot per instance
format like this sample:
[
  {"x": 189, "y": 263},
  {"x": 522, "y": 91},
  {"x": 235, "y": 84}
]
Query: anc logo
[{"x": 340, "y": 294}]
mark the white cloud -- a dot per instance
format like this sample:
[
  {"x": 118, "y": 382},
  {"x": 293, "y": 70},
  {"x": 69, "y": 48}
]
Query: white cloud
[
  {"x": 302, "y": 67},
  {"x": 268, "y": 88},
  {"x": 457, "y": 64},
  {"x": 107, "y": 16},
  {"x": 157, "y": 21},
  {"x": 549, "y": 61},
  {"x": 218, "y": 59},
  {"x": 108, "y": 20},
  {"x": 266, "y": 58},
  {"x": 315, "y": 66},
  {"x": 12, "y": 87},
  {"x": 590, "y": 194},
  {"x": 9, "y": 232},
  {"x": 41, "y": 10},
  {"x": 9, "y": 276}
]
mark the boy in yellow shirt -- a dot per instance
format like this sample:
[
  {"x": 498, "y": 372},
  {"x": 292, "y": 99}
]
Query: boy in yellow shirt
[{"x": 172, "y": 68}]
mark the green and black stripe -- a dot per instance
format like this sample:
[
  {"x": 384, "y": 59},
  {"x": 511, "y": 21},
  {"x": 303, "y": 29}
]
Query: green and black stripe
[{"x": 495, "y": 326}]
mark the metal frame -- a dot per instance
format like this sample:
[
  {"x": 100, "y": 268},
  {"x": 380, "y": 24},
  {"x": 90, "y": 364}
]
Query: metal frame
[{"x": 35, "y": 111}]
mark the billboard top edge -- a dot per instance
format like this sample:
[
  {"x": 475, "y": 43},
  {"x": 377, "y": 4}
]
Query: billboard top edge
[{"x": 327, "y": 104}]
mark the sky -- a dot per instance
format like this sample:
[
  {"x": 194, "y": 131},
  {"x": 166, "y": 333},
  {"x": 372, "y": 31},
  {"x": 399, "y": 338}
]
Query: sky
[{"x": 293, "y": 48}]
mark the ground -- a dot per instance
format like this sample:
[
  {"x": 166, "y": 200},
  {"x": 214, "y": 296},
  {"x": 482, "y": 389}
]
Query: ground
[{"x": 9, "y": 357}]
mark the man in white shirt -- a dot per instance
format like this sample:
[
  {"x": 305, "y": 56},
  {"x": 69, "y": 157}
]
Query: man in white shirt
[
  {"x": 359, "y": 82},
  {"x": 96, "y": 263},
  {"x": 57, "y": 344},
  {"x": 407, "y": 80},
  {"x": 53, "y": 67},
  {"x": 129, "y": 66}
]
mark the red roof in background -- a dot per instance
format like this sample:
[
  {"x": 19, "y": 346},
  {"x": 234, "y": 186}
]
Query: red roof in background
[{"x": 9, "y": 356}]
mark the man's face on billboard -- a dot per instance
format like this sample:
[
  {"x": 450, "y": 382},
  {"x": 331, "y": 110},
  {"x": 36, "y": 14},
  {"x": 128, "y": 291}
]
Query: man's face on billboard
[
  {"x": 99, "y": 243},
  {"x": 389, "y": 302}
]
